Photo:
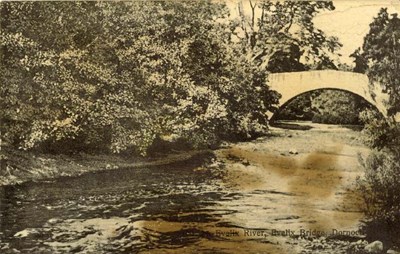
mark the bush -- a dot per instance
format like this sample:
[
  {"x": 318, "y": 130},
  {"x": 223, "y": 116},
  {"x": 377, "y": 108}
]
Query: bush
[
  {"x": 379, "y": 132},
  {"x": 380, "y": 185},
  {"x": 142, "y": 70},
  {"x": 381, "y": 192}
]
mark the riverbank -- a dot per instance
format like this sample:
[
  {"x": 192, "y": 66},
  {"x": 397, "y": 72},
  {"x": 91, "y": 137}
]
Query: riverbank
[{"x": 17, "y": 167}]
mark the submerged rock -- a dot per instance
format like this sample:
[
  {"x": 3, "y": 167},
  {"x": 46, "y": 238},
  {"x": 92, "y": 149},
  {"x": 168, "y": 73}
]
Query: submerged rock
[
  {"x": 54, "y": 220},
  {"x": 77, "y": 248},
  {"x": 25, "y": 232},
  {"x": 245, "y": 162}
]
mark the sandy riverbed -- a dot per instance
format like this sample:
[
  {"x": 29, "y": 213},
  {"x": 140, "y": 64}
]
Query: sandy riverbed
[{"x": 315, "y": 171}]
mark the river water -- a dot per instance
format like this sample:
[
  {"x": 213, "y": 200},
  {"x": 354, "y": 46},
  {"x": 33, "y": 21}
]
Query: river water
[{"x": 263, "y": 196}]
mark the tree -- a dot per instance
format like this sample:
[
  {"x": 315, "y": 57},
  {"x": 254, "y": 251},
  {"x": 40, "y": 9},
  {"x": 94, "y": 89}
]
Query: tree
[
  {"x": 379, "y": 57},
  {"x": 116, "y": 76},
  {"x": 360, "y": 61},
  {"x": 281, "y": 35}
]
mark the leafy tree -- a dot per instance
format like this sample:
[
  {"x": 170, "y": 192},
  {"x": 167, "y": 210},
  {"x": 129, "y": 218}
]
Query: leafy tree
[
  {"x": 360, "y": 61},
  {"x": 116, "y": 76},
  {"x": 281, "y": 36},
  {"x": 379, "y": 57},
  {"x": 380, "y": 184}
]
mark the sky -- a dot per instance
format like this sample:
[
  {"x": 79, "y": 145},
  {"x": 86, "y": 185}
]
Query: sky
[{"x": 349, "y": 21}]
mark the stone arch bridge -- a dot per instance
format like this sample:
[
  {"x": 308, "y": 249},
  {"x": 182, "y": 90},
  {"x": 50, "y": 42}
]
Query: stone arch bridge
[{"x": 293, "y": 84}]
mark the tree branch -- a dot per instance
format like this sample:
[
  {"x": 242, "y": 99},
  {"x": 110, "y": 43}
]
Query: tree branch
[{"x": 252, "y": 13}]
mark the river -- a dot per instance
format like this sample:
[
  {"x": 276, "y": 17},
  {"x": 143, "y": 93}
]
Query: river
[{"x": 271, "y": 195}]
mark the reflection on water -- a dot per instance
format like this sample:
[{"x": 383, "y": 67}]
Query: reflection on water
[
  {"x": 126, "y": 210},
  {"x": 232, "y": 203}
]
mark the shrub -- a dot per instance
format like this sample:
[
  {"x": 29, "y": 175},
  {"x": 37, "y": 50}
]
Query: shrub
[
  {"x": 142, "y": 70},
  {"x": 378, "y": 58},
  {"x": 379, "y": 132},
  {"x": 380, "y": 185},
  {"x": 381, "y": 192}
]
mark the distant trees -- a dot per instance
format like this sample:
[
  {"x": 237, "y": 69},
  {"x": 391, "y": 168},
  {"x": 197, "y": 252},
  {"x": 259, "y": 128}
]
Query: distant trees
[
  {"x": 116, "y": 76},
  {"x": 325, "y": 106},
  {"x": 338, "y": 107}
]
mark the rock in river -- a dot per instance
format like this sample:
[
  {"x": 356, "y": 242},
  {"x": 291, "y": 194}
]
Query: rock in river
[{"x": 374, "y": 247}]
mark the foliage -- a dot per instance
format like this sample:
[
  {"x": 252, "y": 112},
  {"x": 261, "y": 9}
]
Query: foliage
[
  {"x": 281, "y": 36},
  {"x": 325, "y": 106},
  {"x": 379, "y": 132},
  {"x": 379, "y": 57},
  {"x": 381, "y": 188},
  {"x": 337, "y": 107},
  {"x": 299, "y": 108},
  {"x": 116, "y": 76},
  {"x": 380, "y": 185}
]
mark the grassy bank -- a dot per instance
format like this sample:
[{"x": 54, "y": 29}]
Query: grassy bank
[{"x": 17, "y": 166}]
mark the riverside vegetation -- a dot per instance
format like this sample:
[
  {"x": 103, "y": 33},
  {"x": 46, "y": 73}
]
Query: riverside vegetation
[
  {"x": 118, "y": 76},
  {"x": 379, "y": 59},
  {"x": 102, "y": 77}
]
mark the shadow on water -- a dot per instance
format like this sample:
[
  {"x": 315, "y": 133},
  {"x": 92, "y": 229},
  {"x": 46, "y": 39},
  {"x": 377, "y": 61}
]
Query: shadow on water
[
  {"x": 163, "y": 207},
  {"x": 308, "y": 125},
  {"x": 291, "y": 126}
]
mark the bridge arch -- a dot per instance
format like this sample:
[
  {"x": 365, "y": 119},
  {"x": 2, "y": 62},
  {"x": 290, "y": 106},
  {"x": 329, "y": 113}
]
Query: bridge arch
[
  {"x": 292, "y": 84},
  {"x": 282, "y": 106}
]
